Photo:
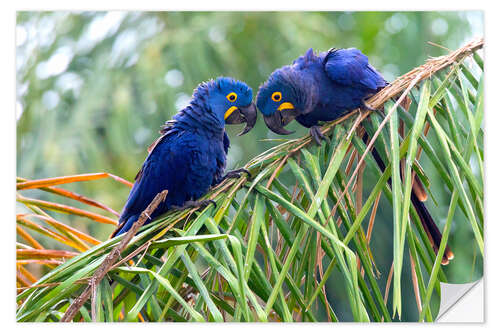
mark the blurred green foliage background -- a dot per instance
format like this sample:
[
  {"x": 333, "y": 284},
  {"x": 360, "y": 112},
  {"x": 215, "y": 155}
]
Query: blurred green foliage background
[{"x": 93, "y": 88}]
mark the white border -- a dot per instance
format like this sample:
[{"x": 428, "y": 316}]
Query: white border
[{"x": 7, "y": 132}]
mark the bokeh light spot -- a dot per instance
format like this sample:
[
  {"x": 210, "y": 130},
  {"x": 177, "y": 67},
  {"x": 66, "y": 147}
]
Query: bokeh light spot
[{"x": 174, "y": 78}]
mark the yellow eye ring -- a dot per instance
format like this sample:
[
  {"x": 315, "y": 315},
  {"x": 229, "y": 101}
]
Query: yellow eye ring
[
  {"x": 276, "y": 96},
  {"x": 232, "y": 97}
]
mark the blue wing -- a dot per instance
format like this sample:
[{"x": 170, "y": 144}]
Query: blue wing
[
  {"x": 221, "y": 161},
  {"x": 165, "y": 167},
  {"x": 350, "y": 67},
  {"x": 226, "y": 142}
]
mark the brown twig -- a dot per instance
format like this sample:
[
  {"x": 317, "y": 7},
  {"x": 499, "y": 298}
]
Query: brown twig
[
  {"x": 111, "y": 258},
  {"x": 372, "y": 218},
  {"x": 388, "y": 283},
  {"x": 415, "y": 285},
  {"x": 275, "y": 172}
]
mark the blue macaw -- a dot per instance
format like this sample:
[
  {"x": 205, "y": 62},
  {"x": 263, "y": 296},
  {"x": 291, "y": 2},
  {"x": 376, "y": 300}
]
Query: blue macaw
[
  {"x": 190, "y": 156},
  {"x": 325, "y": 87},
  {"x": 318, "y": 88}
]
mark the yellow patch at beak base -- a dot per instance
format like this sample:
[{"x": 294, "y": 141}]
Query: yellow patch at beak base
[
  {"x": 286, "y": 106},
  {"x": 229, "y": 111}
]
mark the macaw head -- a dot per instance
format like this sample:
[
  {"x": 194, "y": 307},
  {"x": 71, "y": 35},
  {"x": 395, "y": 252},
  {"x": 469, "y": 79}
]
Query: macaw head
[
  {"x": 231, "y": 102},
  {"x": 286, "y": 94}
]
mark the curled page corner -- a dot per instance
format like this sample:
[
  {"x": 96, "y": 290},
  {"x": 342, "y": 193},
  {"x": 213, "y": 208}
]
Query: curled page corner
[{"x": 461, "y": 302}]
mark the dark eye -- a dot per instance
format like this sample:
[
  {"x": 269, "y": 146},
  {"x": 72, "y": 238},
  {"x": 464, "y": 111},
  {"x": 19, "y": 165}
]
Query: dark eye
[
  {"x": 232, "y": 97},
  {"x": 276, "y": 96}
]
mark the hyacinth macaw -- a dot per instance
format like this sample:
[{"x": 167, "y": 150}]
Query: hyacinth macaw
[
  {"x": 317, "y": 88},
  {"x": 324, "y": 87},
  {"x": 190, "y": 156}
]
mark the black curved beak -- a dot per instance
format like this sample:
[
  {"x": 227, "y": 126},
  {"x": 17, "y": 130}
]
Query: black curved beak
[
  {"x": 247, "y": 114},
  {"x": 279, "y": 119}
]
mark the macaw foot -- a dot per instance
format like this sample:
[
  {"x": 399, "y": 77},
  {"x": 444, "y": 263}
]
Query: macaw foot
[
  {"x": 317, "y": 135},
  {"x": 195, "y": 204},
  {"x": 367, "y": 107},
  {"x": 236, "y": 174}
]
